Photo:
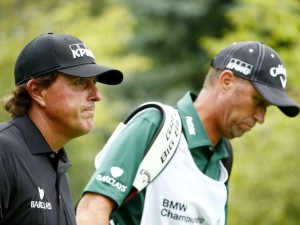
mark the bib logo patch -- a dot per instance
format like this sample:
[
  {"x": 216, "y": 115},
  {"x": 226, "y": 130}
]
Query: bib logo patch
[{"x": 177, "y": 211}]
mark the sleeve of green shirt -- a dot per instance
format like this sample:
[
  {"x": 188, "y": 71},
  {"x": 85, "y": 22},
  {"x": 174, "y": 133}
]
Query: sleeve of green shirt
[{"x": 116, "y": 173}]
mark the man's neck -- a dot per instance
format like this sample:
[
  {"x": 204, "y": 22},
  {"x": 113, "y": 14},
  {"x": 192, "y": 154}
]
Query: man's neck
[{"x": 206, "y": 109}]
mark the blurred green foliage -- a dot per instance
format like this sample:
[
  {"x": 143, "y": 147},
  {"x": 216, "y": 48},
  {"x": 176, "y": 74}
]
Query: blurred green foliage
[{"x": 164, "y": 49}]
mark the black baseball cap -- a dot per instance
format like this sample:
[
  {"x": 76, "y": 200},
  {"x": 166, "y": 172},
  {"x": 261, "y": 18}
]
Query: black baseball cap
[
  {"x": 261, "y": 65},
  {"x": 64, "y": 53}
]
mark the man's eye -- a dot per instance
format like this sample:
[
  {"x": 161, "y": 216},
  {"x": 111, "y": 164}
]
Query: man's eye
[
  {"x": 80, "y": 81},
  {"x": 261, "y": 102}
]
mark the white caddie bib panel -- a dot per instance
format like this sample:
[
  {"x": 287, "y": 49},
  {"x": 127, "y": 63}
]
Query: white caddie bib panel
[{"x": 183, "y": 195}]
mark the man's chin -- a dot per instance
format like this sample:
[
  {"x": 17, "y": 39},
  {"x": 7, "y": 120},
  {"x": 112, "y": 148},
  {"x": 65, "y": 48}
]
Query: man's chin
[{"x": 238, "y": 133}]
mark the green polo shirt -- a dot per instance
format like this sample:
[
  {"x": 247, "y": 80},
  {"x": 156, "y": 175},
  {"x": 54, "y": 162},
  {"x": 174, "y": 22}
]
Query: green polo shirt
[
  {"x": 204, "y": 154},
  {"x": 117, "y": 171}
]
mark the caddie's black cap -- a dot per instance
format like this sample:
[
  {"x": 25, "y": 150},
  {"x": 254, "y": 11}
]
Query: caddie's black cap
[
  {"x": 64, "y": 53},
  {"x": 261, "y": 65}
]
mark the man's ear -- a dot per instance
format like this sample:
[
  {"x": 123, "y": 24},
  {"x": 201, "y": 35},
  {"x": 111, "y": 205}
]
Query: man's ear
[
  {"x": 226, "y": 80},
  {"x": 36, "y": 92}
]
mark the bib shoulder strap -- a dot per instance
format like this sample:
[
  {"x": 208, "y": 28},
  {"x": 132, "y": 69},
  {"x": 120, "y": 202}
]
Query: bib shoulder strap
[{"x": 162, "y": 147}]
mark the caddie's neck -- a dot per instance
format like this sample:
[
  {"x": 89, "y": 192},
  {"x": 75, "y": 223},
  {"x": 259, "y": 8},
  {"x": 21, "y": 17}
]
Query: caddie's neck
[{"x": 205, "y": 105}]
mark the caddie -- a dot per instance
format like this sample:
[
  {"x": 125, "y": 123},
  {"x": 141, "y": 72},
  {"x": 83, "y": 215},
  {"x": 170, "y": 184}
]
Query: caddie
[{"x": 245, "y": 78}]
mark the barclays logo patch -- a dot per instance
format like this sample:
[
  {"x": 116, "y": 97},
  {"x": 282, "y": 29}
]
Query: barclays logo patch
[{"x": 40, "y": 204}]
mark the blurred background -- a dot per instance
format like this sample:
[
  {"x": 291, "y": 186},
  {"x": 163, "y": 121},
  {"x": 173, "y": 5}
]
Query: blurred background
[{"x": 164, "y": 49}]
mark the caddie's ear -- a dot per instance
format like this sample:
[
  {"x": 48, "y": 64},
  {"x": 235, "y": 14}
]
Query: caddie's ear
[
  {"x": 36, "y": 92},
  {"x": 226, "y": 80}
]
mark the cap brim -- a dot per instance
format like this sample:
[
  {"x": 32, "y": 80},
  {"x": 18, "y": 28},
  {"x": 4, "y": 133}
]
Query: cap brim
[
  {"x": 104, "y": 74},
  {"x": 279, "y": 98}
]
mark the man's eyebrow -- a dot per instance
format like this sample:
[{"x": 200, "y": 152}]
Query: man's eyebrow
[{"x": 261, "y": 99}]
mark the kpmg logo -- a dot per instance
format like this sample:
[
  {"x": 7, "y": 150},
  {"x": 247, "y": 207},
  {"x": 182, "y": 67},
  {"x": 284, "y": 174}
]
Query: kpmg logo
[
  {"x": 81, "y": 50},
  {"x": 239, "y": 66},
  {"x": 277, "y": 71}
]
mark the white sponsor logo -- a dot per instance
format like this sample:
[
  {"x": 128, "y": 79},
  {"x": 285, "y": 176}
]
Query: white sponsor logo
[
  {"x": 40, "y": 204},
  {"x": 41, "y": 193},
  {"x": 111, "y": 181},
  {"x": 80, "y": 50},
  {"x": 190, "y": 125},
  {"x": 277, "y": 71},
  {"x": 116, "y": 171},
  {"x": 239, "y": 66}
]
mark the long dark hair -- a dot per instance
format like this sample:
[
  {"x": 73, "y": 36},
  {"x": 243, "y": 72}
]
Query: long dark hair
[{"x": 19, "y": 102}]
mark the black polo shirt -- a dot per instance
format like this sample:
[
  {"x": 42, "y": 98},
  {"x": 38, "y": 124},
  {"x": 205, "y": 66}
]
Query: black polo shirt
[{"x": 34, "y": 185}]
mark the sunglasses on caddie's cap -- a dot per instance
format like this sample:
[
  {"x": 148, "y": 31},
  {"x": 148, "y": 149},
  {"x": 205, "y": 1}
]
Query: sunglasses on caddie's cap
[
  {"x": 262, "y": 66},
  {"x": 63, "y": 53}
]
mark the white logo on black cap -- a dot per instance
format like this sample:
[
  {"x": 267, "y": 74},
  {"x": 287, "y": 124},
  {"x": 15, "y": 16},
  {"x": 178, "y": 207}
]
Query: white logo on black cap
[
  {"x": 239, "y": 66},
  {"x": 280, "y": 70},
  {"x": 80, "y": 50}
]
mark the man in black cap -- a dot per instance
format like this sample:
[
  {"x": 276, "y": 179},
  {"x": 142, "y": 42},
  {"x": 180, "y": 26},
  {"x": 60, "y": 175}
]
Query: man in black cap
[
  {"x": 53, "y": 103},
  {"x": 244, "y": 79}
]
